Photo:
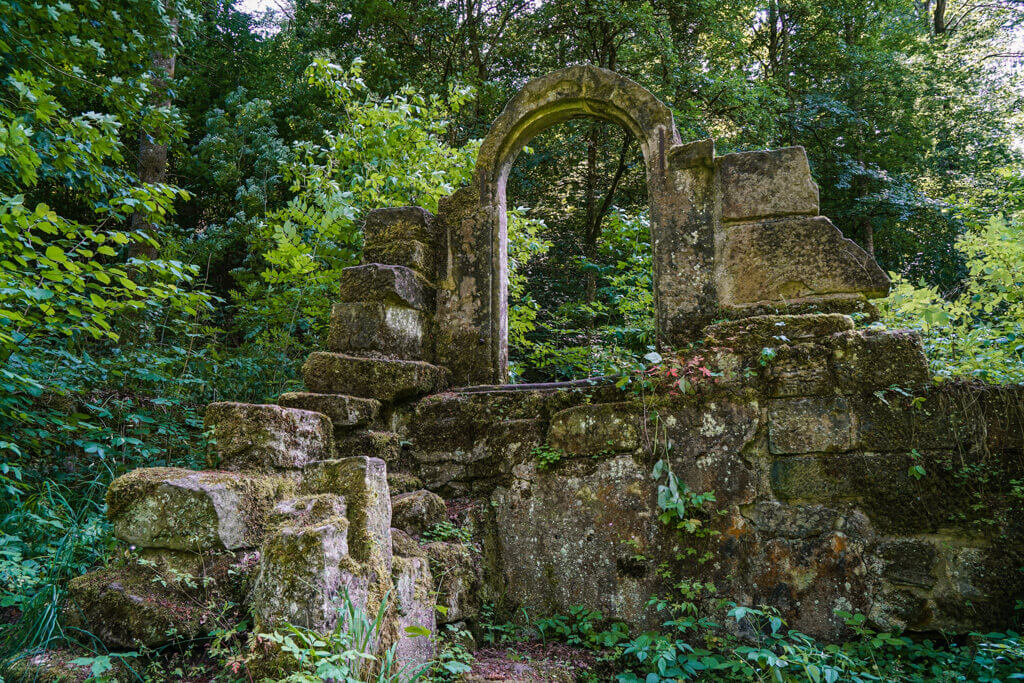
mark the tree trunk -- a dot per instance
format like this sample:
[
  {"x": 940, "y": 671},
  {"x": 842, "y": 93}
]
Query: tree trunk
[
  {"x": 590, "y": 228},
  {"x": 153, "y": 154},
  {"x": 939, "y": 17}
]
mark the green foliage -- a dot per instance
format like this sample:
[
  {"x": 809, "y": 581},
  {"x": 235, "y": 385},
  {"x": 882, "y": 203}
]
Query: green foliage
[
  {"x": 579, "y": 339},
  {"x": 453, "y": 658},
  {"x": 384, "y": 151},
  {"x": 547, "y": 457},
  {"x": 978, "y": 332},
  {"x": 446, "y": 531},
  {"x": 348, "y": 653},
  {"x": 692, "y": 647}
]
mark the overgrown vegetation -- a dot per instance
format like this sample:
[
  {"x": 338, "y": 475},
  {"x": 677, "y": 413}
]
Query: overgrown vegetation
[{"x": 134, "y": 291}]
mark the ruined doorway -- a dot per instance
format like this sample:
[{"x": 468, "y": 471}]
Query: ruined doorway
[{"x": 580, "y": 300}]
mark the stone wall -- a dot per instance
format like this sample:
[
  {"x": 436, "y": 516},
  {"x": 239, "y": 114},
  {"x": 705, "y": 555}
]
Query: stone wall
[{"x": 809, "y": 457}]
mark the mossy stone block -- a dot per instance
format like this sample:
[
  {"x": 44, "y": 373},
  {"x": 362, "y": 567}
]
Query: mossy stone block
[
  {"x": 593, "y": 429},
  {"x": 414, "y": 603},
  {"x": 417, "y": 511},
  {"x": 267, "y": 437},
  {"x": 371, "y": 443},
  {"x": 865, "y": 361},
  {"x": 127, "y": 608},
  {"x": 384, "y": 380},
  {"x": 363, "y": 483},
  {"x": 398, "y": 223},
  {"x": 458, "y": 579},
  {"x": 387, "y": 284},
  {"x": 343, "y": 411},
  {"x": 377, "y": 329},
  {"x": 818, "y": 424},
  {"x": 179, "y": 509},
  {"x": 413, "y": 254},
  {"x": 302, "y": 574},
  {"x": 757, "y": 332}
]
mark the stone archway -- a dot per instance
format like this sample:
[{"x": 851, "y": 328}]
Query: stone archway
[
  {"x": 731, "y": 236},
  {"x": 476, "y": 219}
]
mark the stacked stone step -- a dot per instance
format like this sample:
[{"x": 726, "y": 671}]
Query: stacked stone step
[
  {"x": 379, "y": 336},
  {"x": 281, "y": 515},
  {"x": 195, "y": 534}
]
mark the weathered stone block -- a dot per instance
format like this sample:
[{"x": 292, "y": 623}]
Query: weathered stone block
[
  {"x": 403, "y": 482},
  {"x": 758, "y": 332},
  {"x": 178, "y": 509},
  {"x": 457, "y": 579},
  {"x": 1003, "y": 410},
  {"x": 417, "y": 511},
  {"x": 810, "y": 425},
  {"x": 394, "y": 285},
  {"x": 409, "y": 253},
  {"x": 766, "y": 184},
  {"x": 344, "y": 411},
  {"x": 303, "y": 573},
  {"x": 363, "y": 483},
  {"x": 384, "y": 380},
  {"x": 794, "y": 260},
  {"x": 908, "y": 561},
  {"x": 866, "y": 361},
  {"x": 371, "y": 443},
  {"x": 404, "y": 545},
  {"x": 391, "y": 224},
  {"x": 127, "y": 608},
  {"x": 807, "y": 478},
  {"x": 932, "y": 420},
  {"x": 378, "y": 329},
  {"x": 800, "y": 370},
  {"x": 414, "y": 601},
  {"x": 591, "y": 429},
  {"x": 309, "y": 511},
  {"x": 596, "y": 515},
  {"x": 266, "y": 437}
]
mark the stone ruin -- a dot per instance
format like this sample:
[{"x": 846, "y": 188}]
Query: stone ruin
[{"x": 808, "y": 449}]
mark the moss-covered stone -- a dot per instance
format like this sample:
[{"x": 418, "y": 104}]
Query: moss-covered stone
[
  {"x": 758, "y": 332},
  {"x": 343, "y": 411},
  {"x": 308, "y": 510},
  {"x": 414, "y": 603},
  {"x": 363, "y": 483},
  {"x": 383, "y": 226},
  {"x": 405, "y": 545},
  {"x": 388, "y": 284},
  {"x": 588, "y": 518},
  {"x": 403, "y": 482},
  {"x": 766, "y": 183},
  {"x": 384, "y": 380},
  {"x": 131, "y": 607},
  {"x": 377, "y": 329},
  {"x": 866, "y": 361},
  {"x": 53, "y": 666},
  {"x": 810, "y": 425},
  {"x": 302, "y": 574},
  {"x": 592, "y": 429},
  {"x": 266, "y": 437},
  {"x": 370, "y": 443},
  {"x": 178, "y": 509},
  {"x": 417, "y": 511},
  {"x": 413, "y": 254},
  {"x": 458, "y": 579}
]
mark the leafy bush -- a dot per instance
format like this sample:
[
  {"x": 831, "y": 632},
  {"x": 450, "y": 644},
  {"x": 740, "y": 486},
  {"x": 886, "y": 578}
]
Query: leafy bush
[
  {"x": 579, "y": 339},
  {"x": 978, "y": 331}
]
